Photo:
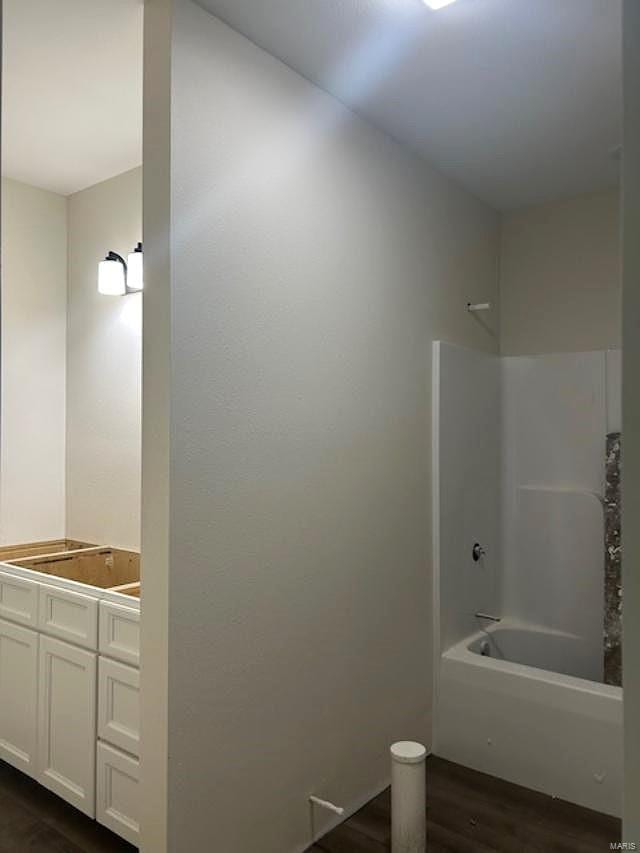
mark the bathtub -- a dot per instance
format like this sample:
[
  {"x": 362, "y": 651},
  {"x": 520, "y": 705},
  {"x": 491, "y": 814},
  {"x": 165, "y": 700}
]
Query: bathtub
[{"x": 502, "y": 710}]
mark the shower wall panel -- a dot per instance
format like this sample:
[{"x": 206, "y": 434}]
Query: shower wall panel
[
  {"x": 466, "y": 456},
  {"x": 557, "y": 410}
]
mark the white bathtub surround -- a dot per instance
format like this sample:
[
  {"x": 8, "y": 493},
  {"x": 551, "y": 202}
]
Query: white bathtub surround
[
  {"x": 466, "y": 443},
  {"x": 552, "y": 732},
  {"x": 556, "y": 414},
  {"x": 533, "y": 646},
  {"x": 613, "y": 361},
  {"x": 559, "y": 566},
  {"x": 408, "y": 797},
  {"x": 533, "y": 712}
]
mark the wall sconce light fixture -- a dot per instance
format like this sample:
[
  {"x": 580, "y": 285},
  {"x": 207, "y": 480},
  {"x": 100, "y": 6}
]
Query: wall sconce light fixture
[
  {"x": 116, "y": 277},
  {"x": 134, "y": 270}
]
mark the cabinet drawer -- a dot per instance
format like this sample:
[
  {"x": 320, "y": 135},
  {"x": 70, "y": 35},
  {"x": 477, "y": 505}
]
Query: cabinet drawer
[
  {"x": 69, "y": 615},
  {"x": 120, "y": 632},
  {"x": 19, "y": 600},
  {"x": 119, "y": 704},
  {"x": 67, "y": 722},
  {"x": 117, "y": 792}
]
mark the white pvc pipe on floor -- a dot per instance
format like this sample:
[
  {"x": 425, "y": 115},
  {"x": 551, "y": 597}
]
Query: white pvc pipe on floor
[
  {"x": 408, "y": 798},
  {"x": 325, "y": 804}
]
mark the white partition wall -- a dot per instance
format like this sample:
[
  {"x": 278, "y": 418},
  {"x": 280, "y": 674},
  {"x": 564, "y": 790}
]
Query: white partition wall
[{"x": 313, "y": 263}]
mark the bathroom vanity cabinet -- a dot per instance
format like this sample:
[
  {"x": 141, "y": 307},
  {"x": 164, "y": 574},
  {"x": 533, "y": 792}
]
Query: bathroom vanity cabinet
[{"x": 69, "y": 683}]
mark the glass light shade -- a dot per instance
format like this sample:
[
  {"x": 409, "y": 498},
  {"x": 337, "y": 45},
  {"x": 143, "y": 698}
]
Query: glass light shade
[
  {"x": 111, "y": 278},
  {"x": 134, "y": 271},
  {"x": 438, "y": 4}
]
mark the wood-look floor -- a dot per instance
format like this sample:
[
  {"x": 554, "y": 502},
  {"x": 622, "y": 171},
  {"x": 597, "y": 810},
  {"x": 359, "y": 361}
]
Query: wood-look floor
[
  {"x": 32, "y": 820},
  {"x": 469, "y": 812}
]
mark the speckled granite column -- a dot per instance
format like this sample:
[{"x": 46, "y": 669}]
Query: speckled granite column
[{"x": 613, "y": 565}]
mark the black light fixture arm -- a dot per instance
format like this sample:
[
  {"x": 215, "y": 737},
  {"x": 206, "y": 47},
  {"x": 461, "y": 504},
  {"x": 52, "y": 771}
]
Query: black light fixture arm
[{"x": 114, "y": 256}]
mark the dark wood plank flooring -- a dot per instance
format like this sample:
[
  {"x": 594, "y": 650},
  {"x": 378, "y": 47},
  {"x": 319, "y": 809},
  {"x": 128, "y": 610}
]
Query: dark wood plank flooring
[
  {"x": 470, "y": 812},
  {"x": 467, "y": 812},
  {"x": 33, "y": 820}
]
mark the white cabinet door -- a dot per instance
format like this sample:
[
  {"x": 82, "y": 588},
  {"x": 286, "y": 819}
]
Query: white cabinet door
[
  {"x": 67, "y": 722},
  {"x": 18, "y": 696},
  {"x": 119, "y": 704},
  {"x": 117, "y": 798}
]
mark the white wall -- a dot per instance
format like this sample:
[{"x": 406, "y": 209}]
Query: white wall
[
  {"x": 313, "y": 262},
  {"x": 103, "y": 369},
  {"x": 631, "y": 423},
  {"x": 32, "y": 419},
  {"x": 560, "y": 288},
  {"x": 71, "y": 367},
  {"x": 467, "y": 460}
]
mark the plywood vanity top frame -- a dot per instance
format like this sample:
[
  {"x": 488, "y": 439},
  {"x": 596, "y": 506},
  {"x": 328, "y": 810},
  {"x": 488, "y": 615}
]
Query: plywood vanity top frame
[
  {"x": 101, "y": 566},
  {"x": 128, "y": 589},
  {"x": 17, "y": 569},
  {"x": 36, "y": 549}
]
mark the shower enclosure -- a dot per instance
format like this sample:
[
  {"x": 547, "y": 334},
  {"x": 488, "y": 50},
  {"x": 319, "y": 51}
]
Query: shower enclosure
[{"x": 526, "y": 455}]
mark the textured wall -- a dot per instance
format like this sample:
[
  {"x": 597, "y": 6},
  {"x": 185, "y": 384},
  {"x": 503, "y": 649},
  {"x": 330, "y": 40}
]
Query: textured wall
[
  {"x": 314, "y": 261},
  {"x": 560, "y": 287},
  {"x": 103, "y": 369},
  {"x": 34, "y": 320}
]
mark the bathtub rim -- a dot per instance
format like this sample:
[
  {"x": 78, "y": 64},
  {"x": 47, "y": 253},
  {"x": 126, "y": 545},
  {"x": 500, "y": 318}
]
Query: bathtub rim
[{"x": 462, "y": 653}]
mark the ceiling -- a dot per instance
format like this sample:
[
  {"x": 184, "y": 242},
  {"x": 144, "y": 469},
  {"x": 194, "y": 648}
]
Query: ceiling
[
  {"x": 517, "y": 100},
  {"x": 72, "y": 91}
]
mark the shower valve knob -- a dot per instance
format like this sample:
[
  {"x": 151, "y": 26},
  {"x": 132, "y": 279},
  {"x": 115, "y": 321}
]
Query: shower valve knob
[{"x": 477, "y": 552}]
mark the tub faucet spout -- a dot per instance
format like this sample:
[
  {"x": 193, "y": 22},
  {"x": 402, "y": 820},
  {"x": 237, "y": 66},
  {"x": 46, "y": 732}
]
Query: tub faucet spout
[{"x": 487, "y": 616}]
